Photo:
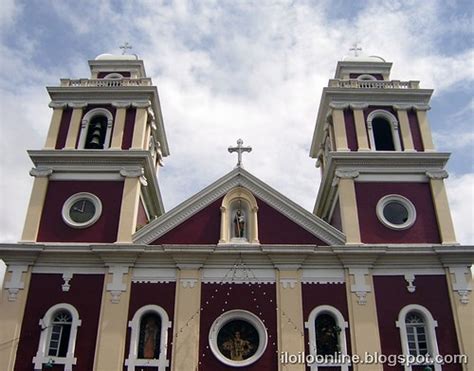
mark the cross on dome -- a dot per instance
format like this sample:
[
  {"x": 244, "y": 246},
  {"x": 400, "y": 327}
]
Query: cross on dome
[
  {"x": 356, "y": 49},
  {"x": 125, "y": 46},
  {"x": 239, "y": 149}
]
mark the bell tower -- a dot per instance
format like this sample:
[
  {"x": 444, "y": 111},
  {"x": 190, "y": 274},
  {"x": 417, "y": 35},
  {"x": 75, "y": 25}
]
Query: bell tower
[
  {"x": 382, "y": 179},
  {"x": 96, "y": 179}
]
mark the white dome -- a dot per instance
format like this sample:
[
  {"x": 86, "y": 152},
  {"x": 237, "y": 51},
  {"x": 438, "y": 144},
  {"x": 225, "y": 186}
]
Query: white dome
[
  {"x": 109, "y": 57},
  {"x": 363, "y": 58}
]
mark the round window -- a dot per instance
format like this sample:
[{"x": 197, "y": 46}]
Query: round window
[
  {"x": 81, "y": 210},
  {"x": 396, "y": 212},
  {"x": 238, "y": 338}
]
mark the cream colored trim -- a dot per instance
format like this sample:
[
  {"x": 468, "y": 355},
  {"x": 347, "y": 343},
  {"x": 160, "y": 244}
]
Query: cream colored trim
[
  {"x": 119, "y": 126},
  {"x": 186, "y": 321},
  {"x": 405, "y": 130},
  {"x": 139, "y": 130},
  {"x": 239, "y": 193},
  {"x": 463, "y": 316},
  {"x": 349, "y": 213},
  {"x": 339, "y": 130},
  {"x": 129, "y": 209},
  {"x": 425, "y": 130},
  {"x": 74, "y": 128},
  {"x": 35, "y": 209},
  {"x": 363, "y": 320},
  {"x": 11, "y": 318},
  {"x": 361, "y": 130},
  {"x": 54, "y": 128},
  {"x": 110, "y": 346},
  {"x": 443, "y": 213},
  {"x": 290, "y": 317}
]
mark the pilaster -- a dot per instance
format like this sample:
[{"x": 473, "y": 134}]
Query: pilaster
[
  {"x": 55, "y": 124},
  {"x": 425, "y": 131},
  {"x": 361, "y": 129},
  {"x": 441, "y": 204},
  {"x": 110, "y": 346},
  {"x": 290, "y": 316},
  {"x": 35, "y": 206},
  {"x": 12, "y": 309},
  {"x": 339, "y": 126},
  {"x": 363, "y": 321},
  {"x": 119, "y": 124},
  {"x": 140, "y": 128},
  {"x": 405, "y": 128},
  {"x": 348, "y": 205},
  {"x": 75, "y": 125},
  {"x": 186, "y": 320}
]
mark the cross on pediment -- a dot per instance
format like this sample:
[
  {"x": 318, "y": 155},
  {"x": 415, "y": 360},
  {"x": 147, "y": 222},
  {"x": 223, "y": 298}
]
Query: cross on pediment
[
  {"x": 125, "y": 47},
  {"x": 239, "y": 149},
  {"x": 356, "y": 49}
]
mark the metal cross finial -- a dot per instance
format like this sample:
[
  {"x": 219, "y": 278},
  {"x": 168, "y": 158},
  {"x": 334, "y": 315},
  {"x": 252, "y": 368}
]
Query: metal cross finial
[
  {"x": 125, "y": 47},
  {"x": 355, "y": 49},
  {"x": 240, "y": 149}
]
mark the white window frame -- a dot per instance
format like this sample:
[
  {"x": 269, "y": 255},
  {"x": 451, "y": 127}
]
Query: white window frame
[
  {"x": 393, "y": 125},
  {"x": 430, "y": 334},
  {"x": 42, "y": 356},
  {"x": 402, "y": 200},
  {"x": 133, "y": 361},
  {"x": 340, "y": 322},
  {"x": 85, "y": 126}
]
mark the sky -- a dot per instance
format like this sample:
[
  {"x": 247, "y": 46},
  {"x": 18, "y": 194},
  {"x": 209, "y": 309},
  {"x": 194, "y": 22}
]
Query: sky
[{"x": 235, "y": 69}]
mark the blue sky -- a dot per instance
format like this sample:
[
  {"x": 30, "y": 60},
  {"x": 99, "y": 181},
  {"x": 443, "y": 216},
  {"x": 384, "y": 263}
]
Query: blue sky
[{"x": 230, "y": 69}]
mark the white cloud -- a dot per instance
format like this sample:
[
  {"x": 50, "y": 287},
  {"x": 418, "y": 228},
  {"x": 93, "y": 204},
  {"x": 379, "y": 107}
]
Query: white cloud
[{"x": 461, "y": 196}]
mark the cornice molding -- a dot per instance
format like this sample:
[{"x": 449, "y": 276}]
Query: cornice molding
[
  {"x": 437, "y": 174},
  {"x": 358, "y": 106},
  {"x": 77, "y": 104},
  {"x": 55, "y": 105},
  {"x": 41, "y": 172}
]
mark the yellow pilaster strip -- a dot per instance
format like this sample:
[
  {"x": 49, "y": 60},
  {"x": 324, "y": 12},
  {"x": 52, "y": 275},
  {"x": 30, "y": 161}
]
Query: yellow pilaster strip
[
  {"x": 460, "y": 285},
  {"x": 74, "y": 126},
  {"x": 425, "y": 131},
  {"x": 119, "y": 126},
  {"x": 362, "y": 316},
  {"x": 441, "y": 204},
  {"x": 361, "y": 130},
  {"x": 129, "y": 209},
  {"x": 405, "y": 129},
  {"x": 54, "y": 126},
  {"x": 35, "y": 207},
  {"x": 186, "y": 321},
  {"x": 290, "y": 317},
  {"x": 12, "y": 309},
  {"x": 339, "y": 128},
  {"x": 348, "y": 205},
  {"x": 110, "y": 346},
  {"x": 140, "y": 128}
]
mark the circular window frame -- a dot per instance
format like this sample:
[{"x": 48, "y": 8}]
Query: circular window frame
[
  {"x": 402, "y": 200},
  {"x": 73, "y": 199},
  {"x": 238, "y": 314}
]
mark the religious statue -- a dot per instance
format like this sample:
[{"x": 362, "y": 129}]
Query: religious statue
[
  {"x": 237, "y": 347},
  {"x": 151, "y": 330},
  {"x": 239, "y": 224}
]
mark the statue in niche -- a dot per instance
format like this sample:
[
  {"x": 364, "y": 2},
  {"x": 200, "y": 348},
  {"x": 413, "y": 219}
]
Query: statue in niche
[
  {"x": 239, "y": 224},
  {"x": 151, "y": 331}
]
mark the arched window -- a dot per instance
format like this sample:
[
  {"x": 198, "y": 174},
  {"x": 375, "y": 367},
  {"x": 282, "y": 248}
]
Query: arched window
[
  {"x": 149, "y": 338},
  {"x": 418, "y": 334},
  {"x": 327, "y": 337},
  {"x": 383, "y": 131},
  {"x": 96, "y": 129},
  {"x": 113, "y": 76},
  {"x": 366, "y": 77},
  {"x": 58, "y": 337}
]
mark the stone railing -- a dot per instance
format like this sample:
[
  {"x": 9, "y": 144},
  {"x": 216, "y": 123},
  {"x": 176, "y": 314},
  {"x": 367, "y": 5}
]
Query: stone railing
[
  {"x": 373, "y": 84},
  {"x": 105, "y": 83}
]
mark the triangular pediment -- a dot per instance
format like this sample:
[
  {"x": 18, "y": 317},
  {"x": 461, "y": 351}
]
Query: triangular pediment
[{"x": 281, "y": 221}]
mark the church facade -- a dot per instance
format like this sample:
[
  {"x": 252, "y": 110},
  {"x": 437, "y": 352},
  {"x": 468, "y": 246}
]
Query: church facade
[{"x": 238, "y": 276}]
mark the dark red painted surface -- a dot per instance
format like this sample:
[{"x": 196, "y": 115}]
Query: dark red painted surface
[
  {"x": 415, "y": 130},
  {"x": 102, "y": 74},
  {"x": 90, "y": 107},
  {"x": 54, "y": 229},
  {"x": 336, "y": 220},
  {"x": 334, "y": 295},
  {"x": 63, "y": 128},
  {"x": 142, "y": 220},
  {"x": 45, "y": 291},
  {"x": 378, "y": 76},
  {"x": 129, "y": 126},
  {"x": 204, "y": 228},
  {"x": 432, "y": 293},
  {"x": 350, "y": 130},
  {"x": 260, "y": 299},
  {"x": 425, "y": 229},
  {"x": 161, "y": 294}
]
